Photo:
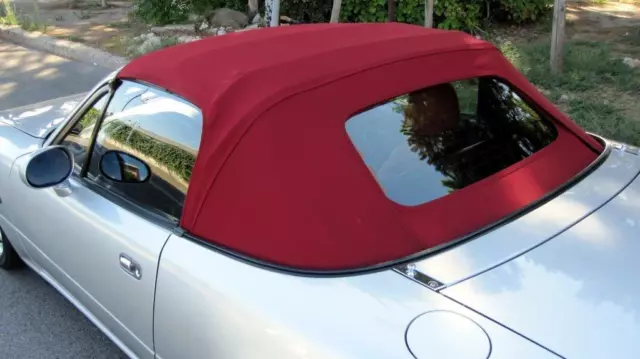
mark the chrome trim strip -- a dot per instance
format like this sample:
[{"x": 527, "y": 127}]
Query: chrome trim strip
[{"x": 410, "y": 271}]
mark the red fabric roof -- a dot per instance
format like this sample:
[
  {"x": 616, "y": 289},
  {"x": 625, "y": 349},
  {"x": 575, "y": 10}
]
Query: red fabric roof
[{"x": 277, "y": 177}]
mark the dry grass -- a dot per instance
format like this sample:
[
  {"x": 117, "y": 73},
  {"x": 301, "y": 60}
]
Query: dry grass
[{"x": 596, "y": 89}]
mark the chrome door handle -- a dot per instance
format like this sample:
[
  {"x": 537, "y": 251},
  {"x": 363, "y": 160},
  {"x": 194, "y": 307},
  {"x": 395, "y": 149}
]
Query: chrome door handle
[{"x": 130, "y": 266}]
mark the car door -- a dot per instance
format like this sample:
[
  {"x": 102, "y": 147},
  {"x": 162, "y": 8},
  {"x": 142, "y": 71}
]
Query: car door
[{"x": 100, "y": 234}]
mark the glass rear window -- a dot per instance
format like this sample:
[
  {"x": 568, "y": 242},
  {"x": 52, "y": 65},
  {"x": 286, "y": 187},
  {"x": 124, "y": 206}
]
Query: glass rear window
[{"x": 426, "y": 144}]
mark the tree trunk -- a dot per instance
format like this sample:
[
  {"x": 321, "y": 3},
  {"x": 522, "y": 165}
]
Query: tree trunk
[
  {"x": 335, "y": 11},
  {"x": 103, "y": 3},
  {"x": 392, "y": 10}
]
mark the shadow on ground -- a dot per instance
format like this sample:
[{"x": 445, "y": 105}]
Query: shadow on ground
[{"x": 29, "y": 76}]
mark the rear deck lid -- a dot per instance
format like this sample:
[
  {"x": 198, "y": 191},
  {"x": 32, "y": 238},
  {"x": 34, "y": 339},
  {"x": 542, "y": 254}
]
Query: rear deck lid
[
  {"x": 576, "y": 294},
  {"x": 614, "y": 171}
]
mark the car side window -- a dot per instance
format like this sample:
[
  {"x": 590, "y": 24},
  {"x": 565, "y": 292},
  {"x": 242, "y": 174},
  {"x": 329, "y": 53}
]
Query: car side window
[
  {"x": 78, "y": 140},
  {"x": 146, "y": 148}
]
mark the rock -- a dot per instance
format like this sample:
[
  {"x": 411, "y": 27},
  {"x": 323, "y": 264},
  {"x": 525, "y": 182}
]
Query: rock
[
  {"x": 633, "y": 63},
  {"x": 221, "y": 31},
  {"x": 227, "y": 18},
  {"x": 184, "y": 39},
  {"x": 151, "y": 44},
  {"x": 256, "y": 19},
  {"x": 252, "y": 26},
  {"x": 193, "y": 18},
  {"x": 565, "y": 98},
  {"x": 545, "y": 92},
  {"x": 173, "y": 30}
]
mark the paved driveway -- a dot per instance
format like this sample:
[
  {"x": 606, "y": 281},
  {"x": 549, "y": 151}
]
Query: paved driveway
[{"x": 28, "y": 76}]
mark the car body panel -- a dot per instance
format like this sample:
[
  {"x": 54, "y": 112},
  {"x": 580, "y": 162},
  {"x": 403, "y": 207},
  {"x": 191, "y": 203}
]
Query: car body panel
[
  {"x": 13, "y": 144},
  {"x": 506, "y": 242},
  {"x": 214, "y": 306},
  {"x": 40, "y": 118},
  {"x": 78, "y": 239},
  {"x": 194, "y": 302},
  {"x": 575, "y": 294},
  {"x": 73, "y": 237}
]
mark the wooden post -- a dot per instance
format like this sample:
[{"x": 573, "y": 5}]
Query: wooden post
[
  {"x": 428, "y": 13},
  {"x": 275, "y": 13},
  {"x": 335, "y": 11},
  {"x": 392, "y": 10},
  {"x": 557, "y": 36}
]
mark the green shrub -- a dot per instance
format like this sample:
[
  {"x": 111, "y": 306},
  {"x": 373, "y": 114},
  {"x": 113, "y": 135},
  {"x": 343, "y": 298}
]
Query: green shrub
[
  {"x": 464, "y": 15},
  {"x": 448, "y": 14},
  {"x": 521, "y": 11},
  {"x": 307, "y": 10},
  {"x": 204, "y": 6},
  {"x": 407, "y": 11},
  {"x": 410, "y": 11},
  {"x": 363, "y": 11},
  {"x": 162, "y": 12},
  {"x": 458, "y": 14}
]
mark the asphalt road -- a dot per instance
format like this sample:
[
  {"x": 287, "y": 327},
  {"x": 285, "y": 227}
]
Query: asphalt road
[
  {"x": 28, "y": 76},
  {"x": 35, "y": 320}
]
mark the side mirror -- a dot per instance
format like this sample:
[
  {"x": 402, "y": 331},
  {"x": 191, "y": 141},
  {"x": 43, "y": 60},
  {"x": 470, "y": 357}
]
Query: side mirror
[
  {"x": 48, "y": 167},
  {"x": 76, "y": 130},
  {"x": 122, "y": 167}
]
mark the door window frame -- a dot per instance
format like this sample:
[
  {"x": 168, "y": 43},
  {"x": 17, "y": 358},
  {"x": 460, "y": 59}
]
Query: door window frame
[{"x": 108, "y": 88}]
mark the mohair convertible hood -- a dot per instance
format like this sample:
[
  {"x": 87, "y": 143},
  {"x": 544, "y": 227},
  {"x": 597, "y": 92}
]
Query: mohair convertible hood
[{"x": 278, "y": 179}]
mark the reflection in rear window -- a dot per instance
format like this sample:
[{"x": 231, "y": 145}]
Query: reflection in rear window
[{"x": 431, "y": 142}]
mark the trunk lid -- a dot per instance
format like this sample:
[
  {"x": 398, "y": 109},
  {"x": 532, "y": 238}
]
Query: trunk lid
[
  {"x": 615, "y": 170},
  {"x": 576, "y": 292}
]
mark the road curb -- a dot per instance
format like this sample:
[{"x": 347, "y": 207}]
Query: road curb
[{"x": 63, "y": 48}]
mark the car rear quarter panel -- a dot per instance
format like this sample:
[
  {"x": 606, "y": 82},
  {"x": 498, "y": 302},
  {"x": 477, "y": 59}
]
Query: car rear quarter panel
[
  {"x": 577, "y": 293},
  {"x": 209, "y": 305},
  {"x": 616, "y": 170}
]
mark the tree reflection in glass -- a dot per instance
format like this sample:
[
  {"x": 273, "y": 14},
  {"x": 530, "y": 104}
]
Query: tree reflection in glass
[{"x": 463, "y": 132}]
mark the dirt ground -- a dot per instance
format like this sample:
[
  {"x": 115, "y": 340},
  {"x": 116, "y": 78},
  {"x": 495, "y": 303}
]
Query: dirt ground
[
  {"x": 617, "y": 23},
  {"x": 108, "y": 28},
  {"x": 87, "y": 22}
]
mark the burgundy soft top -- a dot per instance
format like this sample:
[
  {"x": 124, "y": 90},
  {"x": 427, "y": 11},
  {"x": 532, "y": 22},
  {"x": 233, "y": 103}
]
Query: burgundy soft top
[{"x": 277, "y": 178}]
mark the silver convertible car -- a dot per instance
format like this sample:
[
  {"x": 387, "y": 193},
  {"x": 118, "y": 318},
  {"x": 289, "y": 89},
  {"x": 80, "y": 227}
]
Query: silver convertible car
[{"x": 327, "y": 191}]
